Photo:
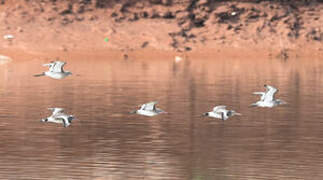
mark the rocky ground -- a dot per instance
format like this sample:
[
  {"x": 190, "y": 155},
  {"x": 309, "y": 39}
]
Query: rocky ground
[{"x": 274, "y": 28}]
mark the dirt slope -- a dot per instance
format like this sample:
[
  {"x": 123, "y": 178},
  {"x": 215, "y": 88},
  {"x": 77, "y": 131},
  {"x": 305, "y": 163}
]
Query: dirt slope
[{"x": 274, "y": 28}]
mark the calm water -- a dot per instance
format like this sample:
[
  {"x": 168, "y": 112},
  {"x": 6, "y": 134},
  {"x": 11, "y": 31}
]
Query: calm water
[{"x": 105, "y": 142}]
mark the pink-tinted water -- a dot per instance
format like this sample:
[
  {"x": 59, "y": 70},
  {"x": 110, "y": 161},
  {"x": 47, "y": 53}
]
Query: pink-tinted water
[{"x": 106, "y": 142}]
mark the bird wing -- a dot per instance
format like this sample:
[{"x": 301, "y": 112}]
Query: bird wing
[
  {"x": 56, "y": 111},
  {"x": 142, "y": 107},
  {"x": 151, "y": 106},
  {"x": 51, "y": 66},
  {"x": 64, "y": 119},
  {"x": 262, "y": 95},
  {"x": 270, "y": 93},
  {"x": 218, "y": 109},
  {"x": 58, "y": 66}
]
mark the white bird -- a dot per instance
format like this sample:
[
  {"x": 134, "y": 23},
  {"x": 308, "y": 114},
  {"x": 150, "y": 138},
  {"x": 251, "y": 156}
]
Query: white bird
[
  {"x": 55, "y": 71},
  {"x": 178, "y": 59},
  {"x": 148, "y": 109},
  {"x": 267, "y": 98},
  {"x": 8, "y": 36},
  {"x": 58, "y": 116},
  {"x": 221, "y": 112}
]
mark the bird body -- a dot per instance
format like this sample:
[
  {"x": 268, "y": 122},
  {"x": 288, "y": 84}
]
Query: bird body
[
  {"x": 268, "y": 104},
  {"x": 149, "y": 109},
  {"x": 56, "y": 75},
  {"x": 221, "y": 112}
]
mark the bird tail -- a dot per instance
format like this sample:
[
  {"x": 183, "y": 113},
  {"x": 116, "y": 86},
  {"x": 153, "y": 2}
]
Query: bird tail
[
  {"x": 282, "y": 102},
  {"x": 239, "y": 114},
  {"x": 39, "y": 75}
]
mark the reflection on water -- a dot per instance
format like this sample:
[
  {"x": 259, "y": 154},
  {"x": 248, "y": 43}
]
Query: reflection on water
[{"x": 105, "y": 142}]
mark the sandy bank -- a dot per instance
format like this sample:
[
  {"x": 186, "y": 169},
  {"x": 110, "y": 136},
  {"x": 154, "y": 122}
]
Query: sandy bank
[{"x": 141, "y": 28}]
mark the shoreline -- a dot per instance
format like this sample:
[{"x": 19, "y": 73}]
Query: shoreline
[{"x": 155, "y": 54}]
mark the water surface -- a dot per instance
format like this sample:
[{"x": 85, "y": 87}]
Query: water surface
[{"x": 105, "y": 142}]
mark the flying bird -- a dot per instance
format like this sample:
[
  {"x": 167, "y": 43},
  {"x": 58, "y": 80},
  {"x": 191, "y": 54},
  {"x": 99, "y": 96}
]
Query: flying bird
[
  {"x": 55, "y": 71},
  {"x": 221, "y": 112},
  {"x": 148, "y": 109},
  {"x": 58, "y": 116},
  {"x": 267, "y": 99}
]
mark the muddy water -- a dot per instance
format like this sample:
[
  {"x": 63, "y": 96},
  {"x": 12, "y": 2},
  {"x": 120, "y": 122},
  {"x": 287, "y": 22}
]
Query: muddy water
[{"x": 105, "y": 142}]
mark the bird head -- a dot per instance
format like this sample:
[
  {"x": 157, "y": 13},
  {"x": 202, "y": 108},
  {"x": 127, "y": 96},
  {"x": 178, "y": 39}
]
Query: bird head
[
  {"x": 133, "y": 112},
  {"x": 205, "y": 114},
  {"x": 44, "y": 120}
]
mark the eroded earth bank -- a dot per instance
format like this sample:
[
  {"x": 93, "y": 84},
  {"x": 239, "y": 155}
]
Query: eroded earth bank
[{"x": 206, "y": 27}]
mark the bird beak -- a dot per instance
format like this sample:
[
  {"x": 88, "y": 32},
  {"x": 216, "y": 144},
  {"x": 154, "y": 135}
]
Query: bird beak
[
  {"x": 133, "y": 112},
  {"x": 239, "y": 114}
]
